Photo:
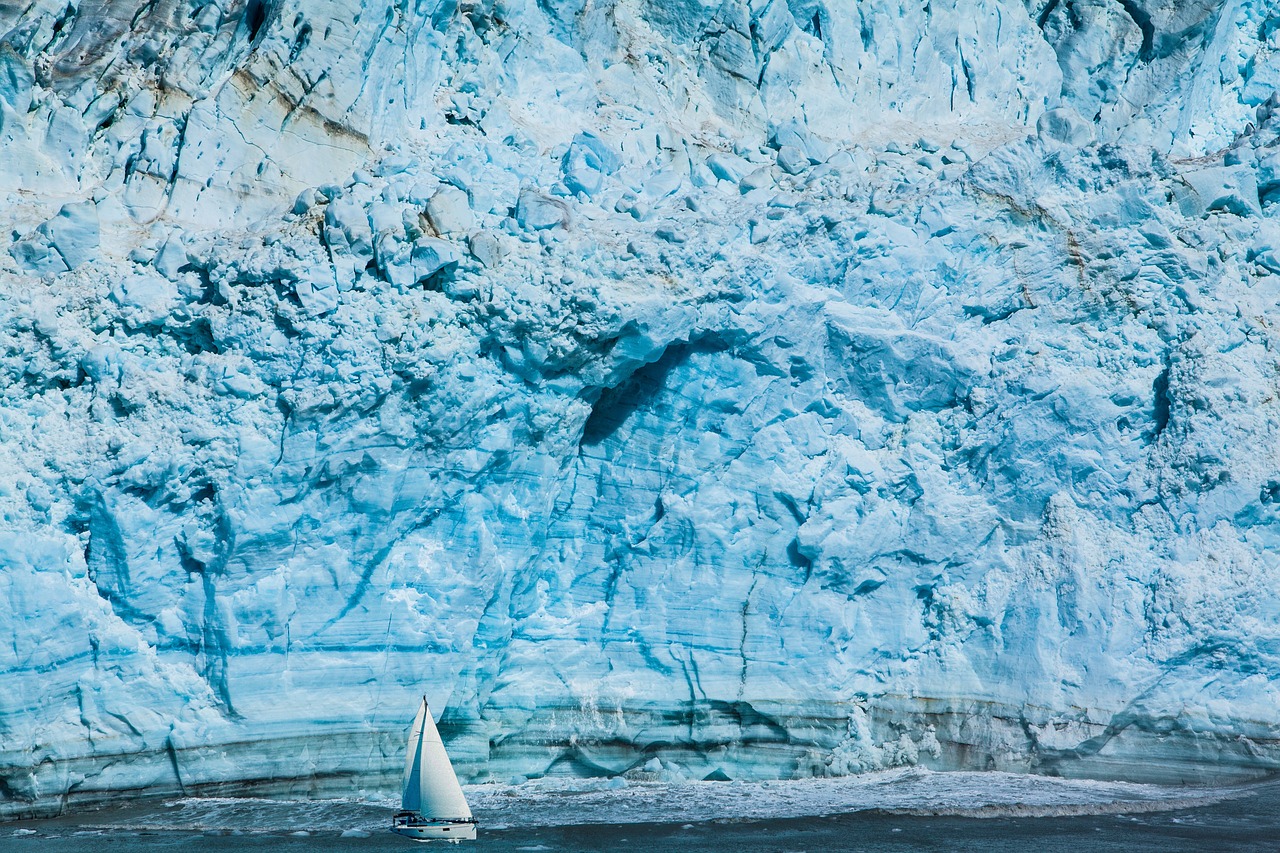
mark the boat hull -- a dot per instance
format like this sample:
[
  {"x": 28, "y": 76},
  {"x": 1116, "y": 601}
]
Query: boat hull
[{"x": 420, "y": 829}]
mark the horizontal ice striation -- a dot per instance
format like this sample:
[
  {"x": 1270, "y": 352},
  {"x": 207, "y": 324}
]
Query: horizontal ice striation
[{"x": 668, "y": 390}]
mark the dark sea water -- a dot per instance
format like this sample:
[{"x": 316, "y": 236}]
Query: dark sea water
[{"x": 908, "y": 811}]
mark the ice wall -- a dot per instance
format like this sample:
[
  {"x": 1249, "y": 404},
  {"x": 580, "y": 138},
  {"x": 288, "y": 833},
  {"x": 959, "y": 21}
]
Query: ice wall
[{"x": 679, "y": 390}]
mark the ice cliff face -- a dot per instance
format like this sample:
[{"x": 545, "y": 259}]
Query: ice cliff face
[{"x": 745, "y": 389}]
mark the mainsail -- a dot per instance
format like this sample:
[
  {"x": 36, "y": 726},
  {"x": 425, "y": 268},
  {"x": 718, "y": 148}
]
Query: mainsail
[{"x": 430, "y": 786}]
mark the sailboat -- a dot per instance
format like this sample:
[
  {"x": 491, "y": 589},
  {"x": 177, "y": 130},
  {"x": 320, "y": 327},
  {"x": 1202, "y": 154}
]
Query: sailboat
[{"x": 433, "y": 806}]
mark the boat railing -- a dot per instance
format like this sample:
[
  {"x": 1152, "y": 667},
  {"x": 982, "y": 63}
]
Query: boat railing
[{"x": 415, "y": 819}]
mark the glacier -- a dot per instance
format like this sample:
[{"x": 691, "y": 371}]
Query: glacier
[{"x": 669, "y": 390}]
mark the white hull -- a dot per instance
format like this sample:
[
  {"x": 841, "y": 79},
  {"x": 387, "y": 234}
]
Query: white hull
[
  {"x": 436, "y": 830},
  {"x": 433, "y": 807}
]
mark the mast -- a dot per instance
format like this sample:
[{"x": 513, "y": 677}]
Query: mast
[{"x": 430, "y": 786}]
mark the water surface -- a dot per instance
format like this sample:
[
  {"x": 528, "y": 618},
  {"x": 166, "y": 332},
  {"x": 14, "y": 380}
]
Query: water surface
[{"x": 885, "y": 812}]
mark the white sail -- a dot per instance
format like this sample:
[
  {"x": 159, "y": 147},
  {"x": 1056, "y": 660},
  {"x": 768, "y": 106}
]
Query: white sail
[{"x": 430, "y": 786}]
